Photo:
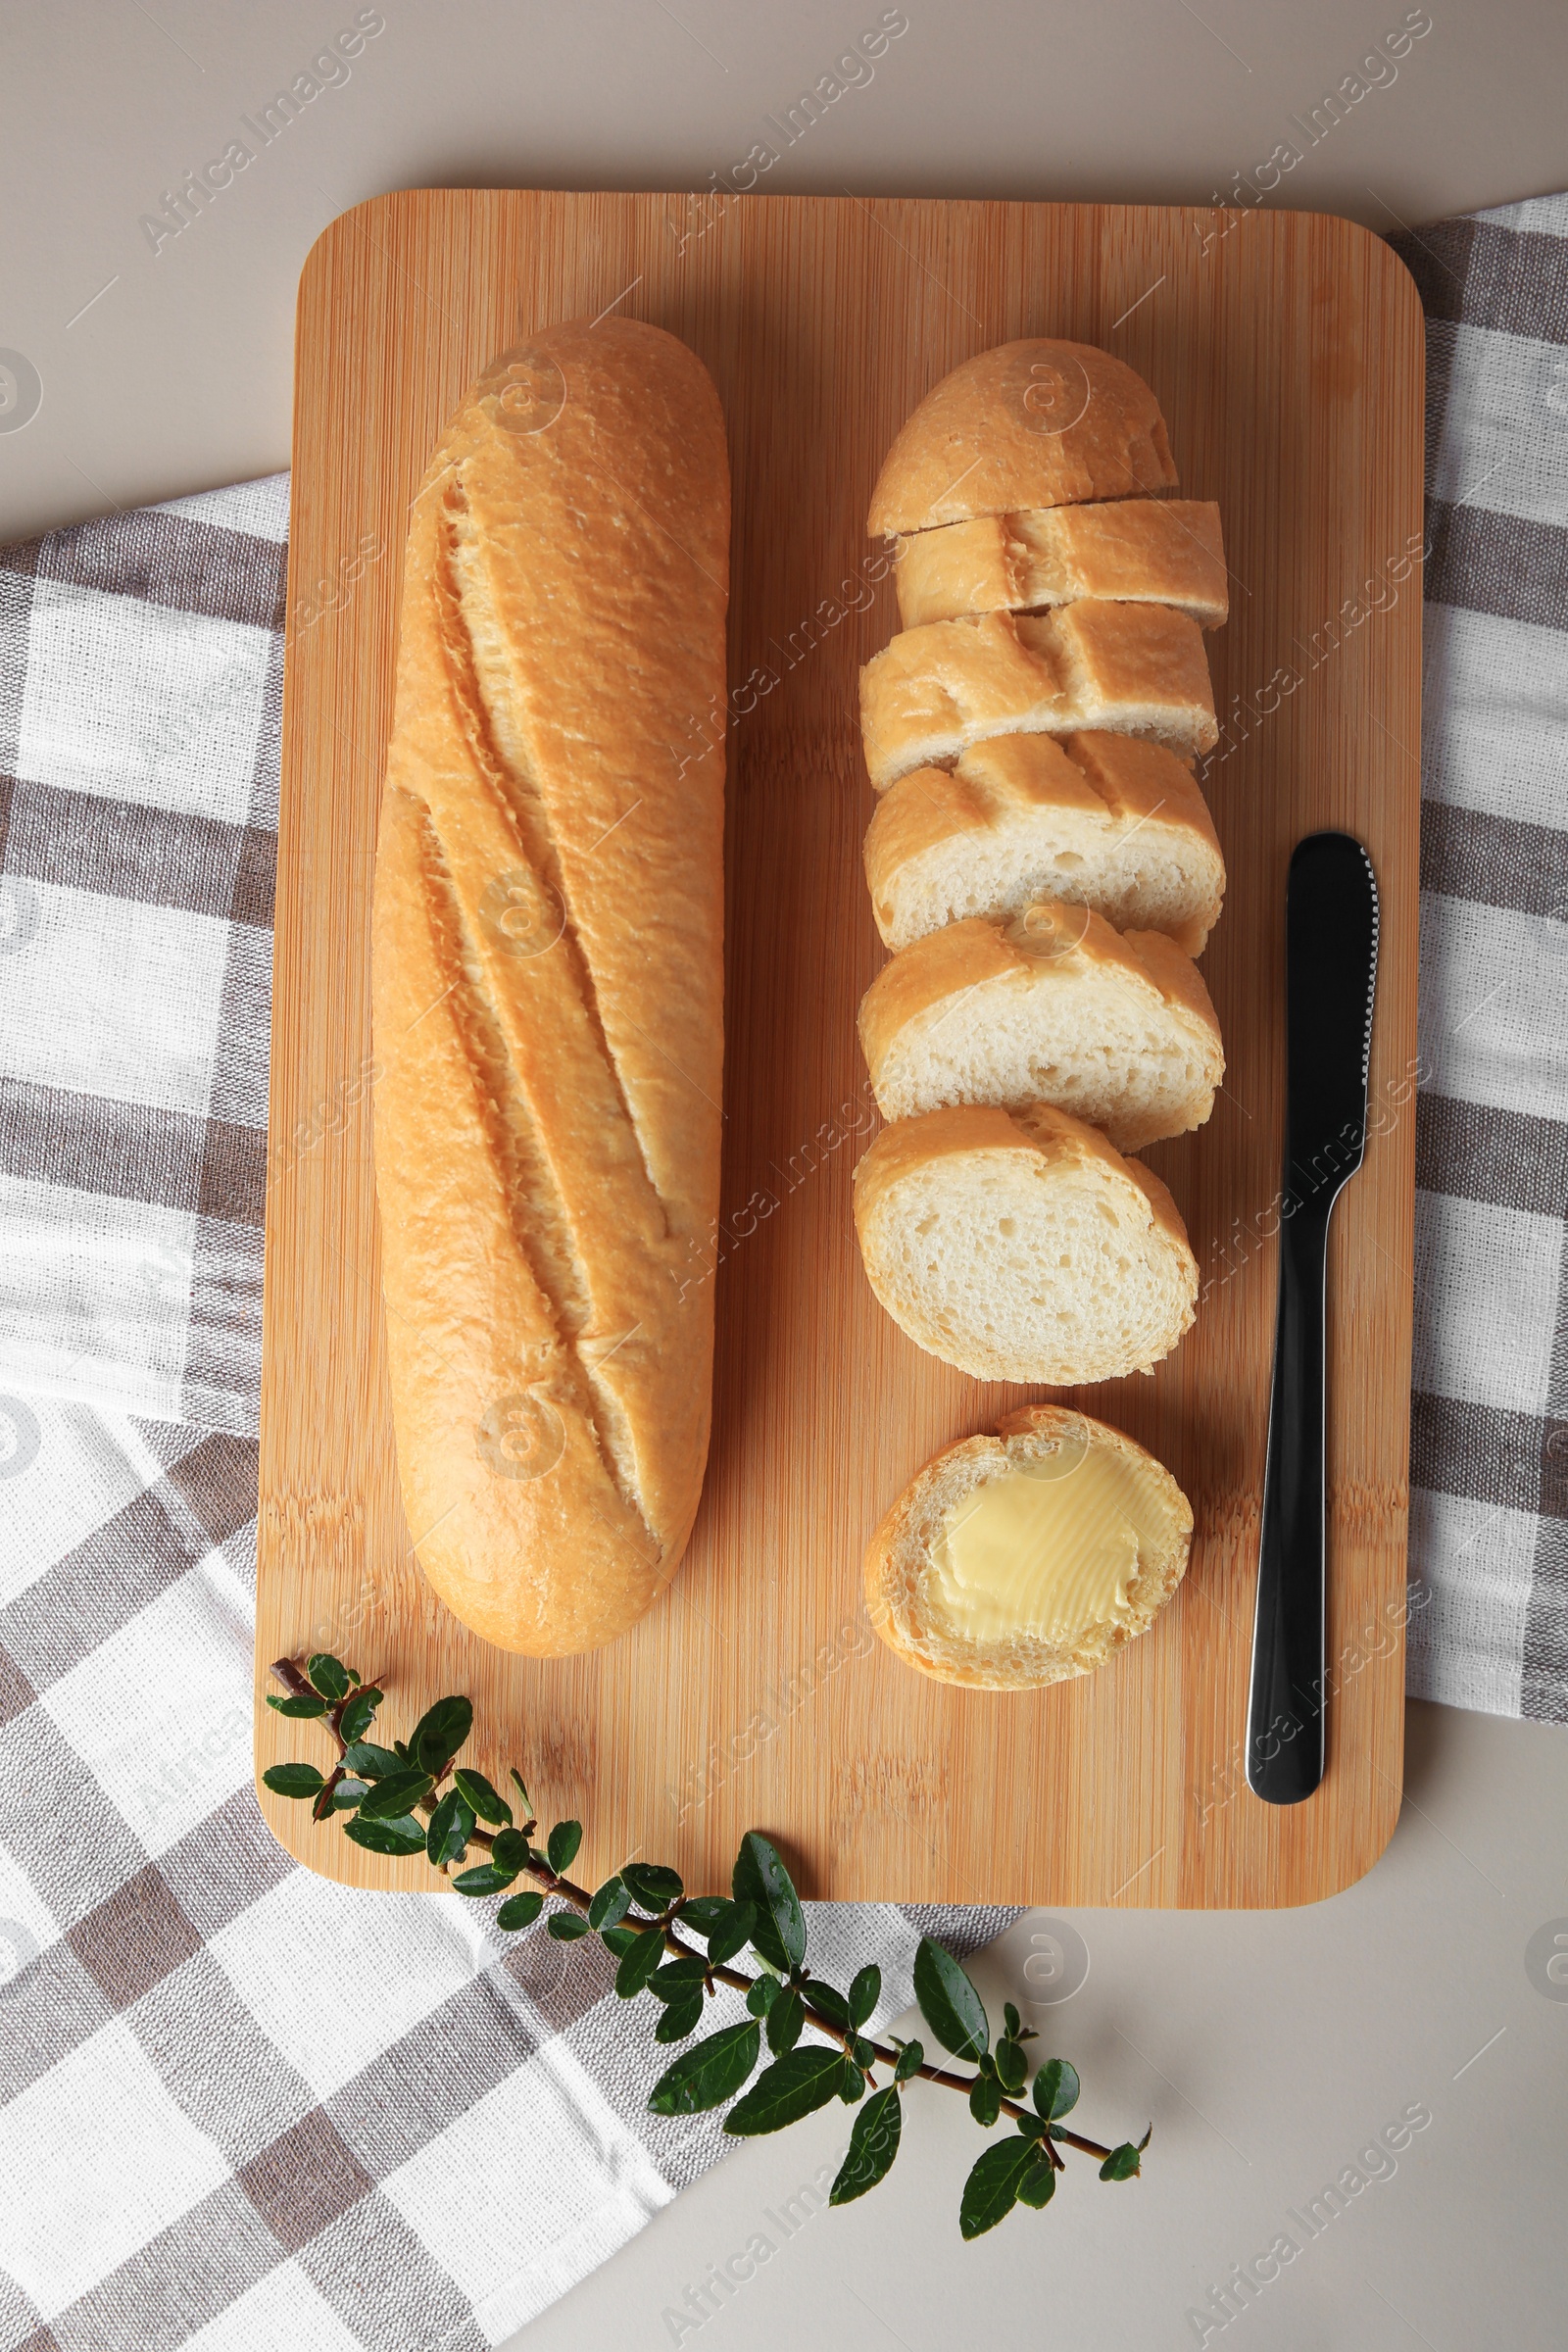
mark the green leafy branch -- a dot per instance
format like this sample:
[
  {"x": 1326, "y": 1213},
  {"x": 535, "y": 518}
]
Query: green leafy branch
[{"x": 414, "y": 1797}]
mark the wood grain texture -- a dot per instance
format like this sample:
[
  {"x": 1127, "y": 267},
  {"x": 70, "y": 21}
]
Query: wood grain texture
[{"x": 1287, "y": 356}]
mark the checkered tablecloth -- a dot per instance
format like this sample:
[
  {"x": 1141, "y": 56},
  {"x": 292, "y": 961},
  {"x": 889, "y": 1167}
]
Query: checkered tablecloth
[
  {"x": 239, "y": 2107},
  {"x": 242, "y": 2108}
]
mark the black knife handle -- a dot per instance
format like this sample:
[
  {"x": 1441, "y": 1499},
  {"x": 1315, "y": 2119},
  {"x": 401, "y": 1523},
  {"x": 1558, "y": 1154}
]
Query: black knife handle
[{"x": 1285, "y": 1719}]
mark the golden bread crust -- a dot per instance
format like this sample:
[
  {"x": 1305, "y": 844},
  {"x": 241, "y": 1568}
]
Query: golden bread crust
[
  {"x": 1034, "y": 424},
  {"x": 546, "y": 978},
  {"x": 936, "y": 691},
  {"x": 1137, "y": 550}
]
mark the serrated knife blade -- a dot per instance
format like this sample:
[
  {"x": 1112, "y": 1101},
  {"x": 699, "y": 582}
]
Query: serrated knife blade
[{"x": 1331, "y": 959}]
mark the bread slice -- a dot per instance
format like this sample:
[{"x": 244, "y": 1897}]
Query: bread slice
[
  {"x": 1050, "y": 1005},
  {"x": 1021, "y": 1245},
  {"x": 1136, "y": 549},
  {"x": 1102, "y": 821},
  {"x": 935, "y": 692},
  {"x": 902, "y": 1583},
  {"x": 1035, "y": 423}
]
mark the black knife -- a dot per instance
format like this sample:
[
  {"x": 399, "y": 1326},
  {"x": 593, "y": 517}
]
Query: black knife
[{"x": 1331, "y": 961}]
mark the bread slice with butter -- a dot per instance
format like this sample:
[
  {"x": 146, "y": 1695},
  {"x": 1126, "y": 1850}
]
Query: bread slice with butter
[
  {"x": 1019, "y": 1245},
  {"x": 1030, "y": 1557},
  {"x": 1050, "y": 1005},
  {"x": 1101, "y": 820}
]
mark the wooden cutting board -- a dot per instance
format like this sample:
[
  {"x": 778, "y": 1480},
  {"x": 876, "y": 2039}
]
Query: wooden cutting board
[{"x": 1285, "y": 351}]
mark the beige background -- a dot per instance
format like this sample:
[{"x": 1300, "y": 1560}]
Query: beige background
[{"x": 1265, "y": 2048}]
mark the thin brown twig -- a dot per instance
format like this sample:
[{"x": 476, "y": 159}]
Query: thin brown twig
[{"x": 715, "y": 1973}]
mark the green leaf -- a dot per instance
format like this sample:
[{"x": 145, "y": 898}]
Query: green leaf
[
  {"x": 369, "y": 1763},
  {"x": 852, "y": 2083},
  {"x": 485, "y": 1878},
  {"x": 985, "y": 2099},
  {"x": 731, "y": 1932},
  {"x": 325, "y": 1803},
  {"x": 510, "y": 1850},
  {"x": 821, "y": 1996},
  {"x": 950, "y": 2003},
  {"x": 451, "y": 1827},
  {"x": 864, "y": 2052},
  {"x": 610, "y": 1903},
  {"x": 639, "y": 1962},
  {"x": 784, "y": 2022},
  {"x": 652, "y": 1886},
  {"x": 764, "y": 1994},
  {"x": 681, "y": 2017},
  {"x": 1055, "y": 2089},
  {"x": 708, "y": 2073},
  {"x": 517, "y": 1782},
  {"x": 329, "y": 1676},
  {"x": 795, "y": 2084},
  {"x": 873, "y": 2144},
  {"x": 307, "y": 1703},
  {"x": 564, "y": 1839},
  {"x": 865, "y": 1990},
  {"x": 347, "y": 1794},
  {"x": 760, "y": 1878},
  {"x": 568, "y": 1927},
  {"x": 674, "y": 1980},
  {"x": 910, "y": 2060},
  {"x": 992, "y": 2189},
  {"x": 488, "y": 1803},
  {"x": 439, "y": 1733},
  {"x": 1122, "y": 2163},
  {"x": 358, "y": 1715},
  {"x": 405, "y": 1836},
  {"x": 1011, "y": 2065},
  {"x": 702, "y": 1913},
  {"x": 520, "y": 1911},
  {"x": 1039, "y": 2184},
  {"x": 294, "y": 1780},
  {"x": 396, "y": 1792},
  {"x": 1011, "y": 2020},
  {"x": 618, "y": 1940}
]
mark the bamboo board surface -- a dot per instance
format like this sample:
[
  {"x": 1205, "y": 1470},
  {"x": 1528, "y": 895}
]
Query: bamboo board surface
[{"x": 1286, "y": 352}]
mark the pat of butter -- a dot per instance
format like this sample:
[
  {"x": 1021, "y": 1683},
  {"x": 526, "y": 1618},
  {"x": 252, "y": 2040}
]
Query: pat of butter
[{"x": 1046, "y": 1549}]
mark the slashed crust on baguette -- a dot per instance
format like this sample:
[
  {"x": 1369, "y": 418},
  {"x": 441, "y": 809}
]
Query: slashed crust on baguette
[
  {"x": 1050, "y": 1005},
  {"x": 1039, "y": 422},
  {"x": 547, "y": 976},
  {"x": 1021, "y": 1245},
  {"x": 1103, "y": 820},
  {"x": 1134, "y": 669},
  {"x": 898, "y": 1560},
  {"x": 1137, "y": 550}
]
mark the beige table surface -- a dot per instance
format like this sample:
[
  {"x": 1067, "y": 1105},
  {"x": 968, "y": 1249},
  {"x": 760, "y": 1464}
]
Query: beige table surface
[{"x": 1266, "y": 2048}]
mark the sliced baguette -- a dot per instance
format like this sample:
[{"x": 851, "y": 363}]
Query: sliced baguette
[
  {"x": 898, "y": 1563},
  {"x": 1103, "y": 820},
  {"x": 1134, "y": 669},
  {"x": 1021, "y": 1245},
  {"x": 1050, "y": 1005},
  {"x": 1137, "y": 550},
  {"x": 1035, "y": 423}
]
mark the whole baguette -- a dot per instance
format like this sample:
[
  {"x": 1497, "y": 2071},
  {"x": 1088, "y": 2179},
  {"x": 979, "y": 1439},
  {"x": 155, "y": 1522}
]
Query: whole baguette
[
  {"x": 1035, "y": 423},
  {"x": 547, "y": 973},
  {"x": 1102, "y": 821}
]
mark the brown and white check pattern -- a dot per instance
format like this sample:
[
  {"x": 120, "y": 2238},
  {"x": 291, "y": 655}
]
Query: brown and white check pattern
[
  {"x": 1490, "y": 1440},
  {"x": 241, "y": 2108}
]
